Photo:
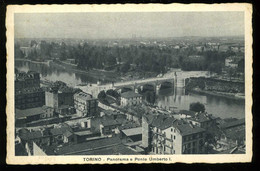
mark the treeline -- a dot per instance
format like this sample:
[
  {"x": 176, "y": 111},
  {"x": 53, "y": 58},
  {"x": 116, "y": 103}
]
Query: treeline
[
  {"x": 209, "y": 84},
  {"x": 141, "y": 58}
]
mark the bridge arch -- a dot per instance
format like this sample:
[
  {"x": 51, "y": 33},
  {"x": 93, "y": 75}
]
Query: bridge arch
[
  {"x": 146, "y": 87},
  {"x": 125, "y": 89},
  {"x": 166, "y": 84}
]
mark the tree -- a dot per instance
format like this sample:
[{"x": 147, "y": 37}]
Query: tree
[
  {"x": 125, "y": 67},
  {"x": 102, "y": 95},
  {"x": 197, "y": 107},
  {"x": 215, "y": 67},
  {"x": 150, "y": 97}
]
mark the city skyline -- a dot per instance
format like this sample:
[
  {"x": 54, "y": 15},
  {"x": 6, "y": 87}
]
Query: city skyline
[{"x": 113, "y": 25}]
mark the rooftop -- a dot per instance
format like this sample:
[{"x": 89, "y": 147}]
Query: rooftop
[
  {"x": 130, "y": 94},
  {"x": 187, "y": 112},
  {"x": 88, "y": 146},
  {"x": 202, "y": 117},
  {"x": 28, "y": 112},
  {"x": 186, "y": 128},
  {"x": 65, "y": 130},
  {"x": 107, "y": 121},
  {"x": 163, "y": 122},
  {"x": 83, "y": 96},
  {"x": 238, "y": 122},
  {"x": 31, "y": 135},
  {"x": 132, "y": 131}
]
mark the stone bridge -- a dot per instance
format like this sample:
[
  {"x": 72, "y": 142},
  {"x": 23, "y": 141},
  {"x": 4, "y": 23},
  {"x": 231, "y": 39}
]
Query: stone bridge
[{"x": 176, "y": 79}]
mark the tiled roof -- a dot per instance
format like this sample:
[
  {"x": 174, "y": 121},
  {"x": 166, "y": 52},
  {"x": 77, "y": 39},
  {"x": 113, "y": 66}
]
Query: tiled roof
[
  {"x": 167, "y": 123},
  {"x": 130, "y": 94},
  {"x": 187, "y": 129},
  {"x": 28, "y": 112}
]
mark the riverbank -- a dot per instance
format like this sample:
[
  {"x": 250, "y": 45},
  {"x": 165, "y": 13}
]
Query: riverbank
[
  {"x": 220, "y": 94},
  {"x": 36, "y": 62}
]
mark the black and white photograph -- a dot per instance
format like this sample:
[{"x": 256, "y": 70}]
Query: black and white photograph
[{"x": 155, "y": 84}]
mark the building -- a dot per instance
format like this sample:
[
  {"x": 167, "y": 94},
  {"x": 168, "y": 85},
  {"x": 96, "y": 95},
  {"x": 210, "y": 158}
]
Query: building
[
  {"x": 102, "y": 146},
  {"x": 233, "y": 61},
  {"x": 33, "y": 114},
  {"x": 203, "y": 120},
  {"x": 24, "y": 80},
  {"x": 85, "y": 104},
  {"x": 59, "y": 97},
  {"x": 29, "y": 98},
  {"x": 44, "y": 139},
  {"x": 230, "y": 63},
  {"x": 130, "y": 98},
  {"x": 233, "y": 135},
  {"x": 162, "y": 134},
  {"x": 131, "y": 134},
  {"x": 28, "y": 93}
]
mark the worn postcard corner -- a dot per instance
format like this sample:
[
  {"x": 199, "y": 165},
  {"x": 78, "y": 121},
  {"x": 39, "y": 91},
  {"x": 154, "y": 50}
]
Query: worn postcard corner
[{"x": 134, "y": 83}]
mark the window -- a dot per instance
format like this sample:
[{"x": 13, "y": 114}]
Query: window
[
  {"x": 171, "y": 129},
  {"x": 174, "y": 137}
]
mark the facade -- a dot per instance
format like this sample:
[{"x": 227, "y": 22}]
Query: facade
[
  {"x": 130, "y": 98},
  {"x": 29, "y": 98},
  {"x": 85, "y": 104},
  {"x": 24, "y": 80},
  {"x": 58, "y": 98},
  {"x": 230, "y": 63},
  {"x": 33, "y": 114},
  {"x": 167, "y": 135},
  {"x": 28, "y": 93},
  {"x": 108, "y": 125}
]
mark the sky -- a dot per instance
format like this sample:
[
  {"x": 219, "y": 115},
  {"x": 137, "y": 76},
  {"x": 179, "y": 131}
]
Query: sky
[{"x": 125, "y": 25}]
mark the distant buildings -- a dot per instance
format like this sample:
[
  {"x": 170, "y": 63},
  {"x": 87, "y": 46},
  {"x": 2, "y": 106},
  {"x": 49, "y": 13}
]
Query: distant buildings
[
  {"x": 85, "y": 104},
  {"x": 28, "y": 93},
  {"x": 233, "y": 61},
  {"x": 130, "y": 98},
  {"x": 167, "y": 135}
]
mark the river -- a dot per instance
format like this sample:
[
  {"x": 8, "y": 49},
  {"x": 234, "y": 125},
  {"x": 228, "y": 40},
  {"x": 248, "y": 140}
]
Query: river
[{"x": 178, "y": 98}]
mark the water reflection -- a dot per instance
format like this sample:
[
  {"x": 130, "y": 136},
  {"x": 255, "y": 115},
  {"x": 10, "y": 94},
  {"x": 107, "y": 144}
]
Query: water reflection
[
  {"x": 173, "y": 97},
  {"x": 218, "y": 106}
]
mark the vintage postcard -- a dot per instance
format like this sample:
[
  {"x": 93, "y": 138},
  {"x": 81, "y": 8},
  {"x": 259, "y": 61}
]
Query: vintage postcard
[{"x": 146, "y": 83}]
